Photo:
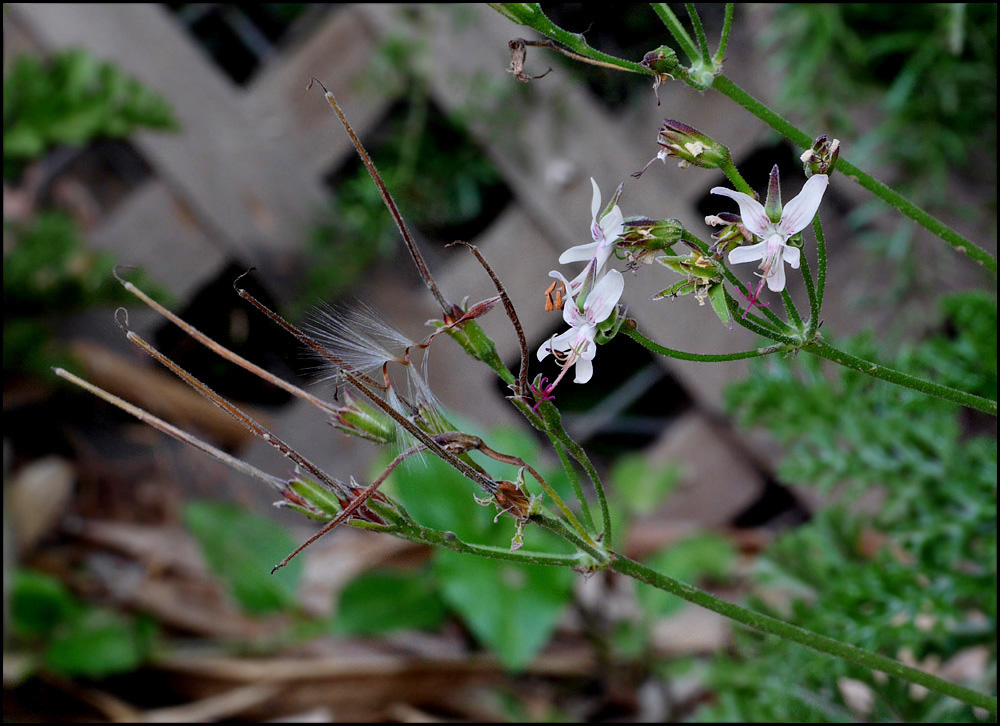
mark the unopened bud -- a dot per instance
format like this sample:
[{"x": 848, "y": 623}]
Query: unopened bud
[
  {"x": 772, "y": 205},
  {"x": 822, "y": 157},
  {"x": 690, "y": 146},
  {"x": 642, "y": 238},
  {"x": 661, "y": 60}
]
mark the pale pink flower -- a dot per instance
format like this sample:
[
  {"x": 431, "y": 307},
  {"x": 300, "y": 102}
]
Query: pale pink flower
[
  {"x": 774, "y": 250},
  {"x": 576, "y": 347}
]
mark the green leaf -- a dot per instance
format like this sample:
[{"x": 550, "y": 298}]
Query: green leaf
[
  {"x": 703, "y": 555},
  {"x": 241, "y": 548},
  {"x": 39, "y": 604},
  {"x": 100, "y": 643},
  {"x": 379, "y": 602},
  {"x": 510, "y": 608}
]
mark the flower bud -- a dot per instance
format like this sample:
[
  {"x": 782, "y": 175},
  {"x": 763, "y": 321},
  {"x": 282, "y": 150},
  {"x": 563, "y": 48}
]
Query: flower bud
[
  {"x": 690, "y": 146},
  {"x": 772, "y": 205},
  {"x": 662, "y": 60},
  {"x": 822, "y": 157},
  {"x": 358, "y": 419},
  {"x": 642, "y": 238}
]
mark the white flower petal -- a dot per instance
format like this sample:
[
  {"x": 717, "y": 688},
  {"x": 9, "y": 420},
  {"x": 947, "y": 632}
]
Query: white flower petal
[
  {"x": 580, "y": 253},
  {"x": 798, "y": 213},
  {"x": 595, "y": 201},
  {"x": 613, "y": 224},
  {"x": 747, "y": 253},
  {"x": 584, "y": 370},
  {"x": 572, "y": 315},
  {"x": 791, "y": 256},
  {"x": 603, "y": 298},
  {"x": 751, "y": 211},
  {"x": 776, "y": 277}
]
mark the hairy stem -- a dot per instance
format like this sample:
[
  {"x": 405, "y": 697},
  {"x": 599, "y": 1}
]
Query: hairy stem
[
  {"x": 574, "y": 480},
  {"x": 699, "y": 33},
  {"x": 824, "y": 350},
  {"x": 822, "y": 643},
  {"x": 727, "y": 25},
  {"x": 677, "y": 30},
  {"x": 820, "y": 266},
  {"x": 814, "y": 308},
  {"x": 554, "y": 428},
  {"x": 634, "y": 334}
]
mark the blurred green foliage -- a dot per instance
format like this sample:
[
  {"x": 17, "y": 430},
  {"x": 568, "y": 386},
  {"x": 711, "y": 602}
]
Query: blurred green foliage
[
  {"x": 72, "y": 99},
  {"x": 511, "y": 608},
  {"x": 383, "y": 601},
  {"x": 236, "y": 543},
  {"x": 74, "y": 638},
  {"x": 918, "y": 576}
]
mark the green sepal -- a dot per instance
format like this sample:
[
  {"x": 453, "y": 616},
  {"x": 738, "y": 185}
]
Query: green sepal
[
  {"x": 609, "y": 328},
  {"x": 684, "y": 287},
  {"x": 693, "y": 265},
  {"x": 717, "y": 296},
  {"x": 316, "y": 496}
]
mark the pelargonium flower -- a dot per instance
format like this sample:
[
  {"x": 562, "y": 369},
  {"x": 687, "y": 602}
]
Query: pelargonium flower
[
  {"x": 576, "y": 347},
  {"x": 604, "y": 231},
  {"x": 760, "y": 220}
]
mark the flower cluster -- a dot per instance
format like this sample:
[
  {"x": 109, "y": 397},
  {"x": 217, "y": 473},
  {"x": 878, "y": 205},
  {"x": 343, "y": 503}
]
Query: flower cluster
[{"x": 589, "y": 301}]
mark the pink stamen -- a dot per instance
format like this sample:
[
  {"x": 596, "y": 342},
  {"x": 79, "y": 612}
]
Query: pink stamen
[
  {"x": 542, "y": 392},
  {"x": 753, "y": 298}
]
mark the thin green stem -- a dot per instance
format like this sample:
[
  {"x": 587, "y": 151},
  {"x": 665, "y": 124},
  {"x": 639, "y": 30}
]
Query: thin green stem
[
  {"x": 820, "y": 266},
  {"x": 699, "y": 32},
  {"x": 558, "y": 527},
  {"x": 574, "y": 481},
  {"x": 822, "y": 643},
  {"x": 733, "y": 174},
  {"x": 448, "y": 540},
  {"x": 811, "y": 293},
  {"x": 727, "y": 25},
  {"x": 677, "y": 30},
  {"x": 824, "y": 350},
  {"x": 646, "y": 343},
  {"x": 754, "y": 323},
  {"x": 554, "y": 427},
  {"x": 880, "y": 190},
  {"x": 791, "y": 312},
  {"x": 577, "y": 43}
]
